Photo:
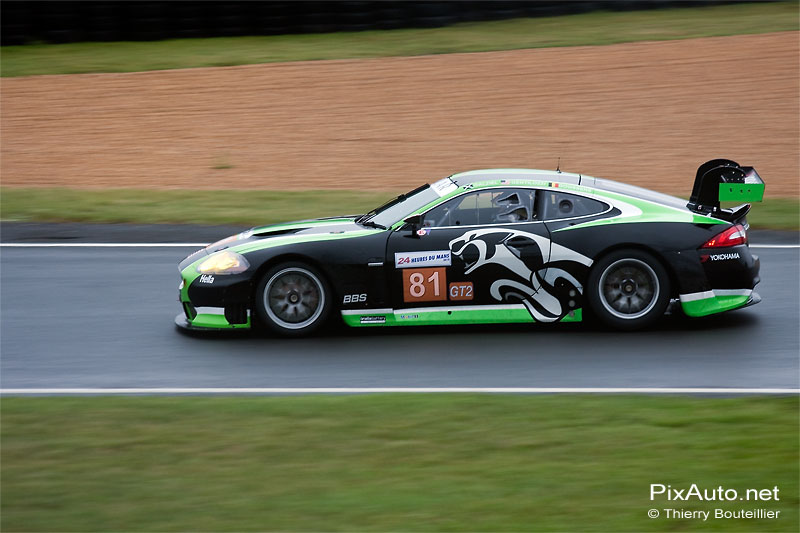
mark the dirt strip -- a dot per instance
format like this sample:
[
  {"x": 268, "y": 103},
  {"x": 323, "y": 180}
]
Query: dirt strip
[{"x": 646, "y": 113}]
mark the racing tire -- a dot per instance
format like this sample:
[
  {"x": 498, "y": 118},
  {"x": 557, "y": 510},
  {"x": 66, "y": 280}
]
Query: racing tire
[
  {"x": 293, "y": 300},
  {"x": 628, "y": 289}
]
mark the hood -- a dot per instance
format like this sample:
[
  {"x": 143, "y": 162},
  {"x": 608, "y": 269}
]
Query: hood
[
  {"x": 317, "y": 226},
  {"x": 305, "y": 229}
]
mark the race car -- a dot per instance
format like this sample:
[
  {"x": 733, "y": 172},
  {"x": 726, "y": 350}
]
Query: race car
[{"x": 489, "y": 246}]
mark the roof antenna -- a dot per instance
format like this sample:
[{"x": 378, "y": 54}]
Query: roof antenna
[{"x": 558, "y": 167}]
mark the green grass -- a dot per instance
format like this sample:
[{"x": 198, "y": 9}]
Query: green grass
[
  {"x": 245, "y": 207},
  {"x": 390, "y": 462},
  {"x": 774, "y": 213},
  {"x": 181, "y": 206},
  {"x": 590, "y": 29}
]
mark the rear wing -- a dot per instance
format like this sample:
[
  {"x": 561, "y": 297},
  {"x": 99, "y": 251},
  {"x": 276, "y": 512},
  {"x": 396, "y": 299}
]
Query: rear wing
[{"x": 723, "y": 180}]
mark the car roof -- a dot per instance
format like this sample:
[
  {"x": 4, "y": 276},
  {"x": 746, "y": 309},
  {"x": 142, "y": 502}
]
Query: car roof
[{"x": 599, "y": 185}]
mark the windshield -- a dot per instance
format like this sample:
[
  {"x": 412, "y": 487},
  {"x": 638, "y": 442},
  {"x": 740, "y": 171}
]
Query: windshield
[{"x": 399, "y": 208}]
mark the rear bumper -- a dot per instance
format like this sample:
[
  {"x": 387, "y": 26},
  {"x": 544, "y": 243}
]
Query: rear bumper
[
  {"x": 717, "y": 301},
  {"x": 710, "y": 282}
]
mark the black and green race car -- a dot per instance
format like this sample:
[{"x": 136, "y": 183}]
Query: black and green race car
[{"x": 489, "y": 246}]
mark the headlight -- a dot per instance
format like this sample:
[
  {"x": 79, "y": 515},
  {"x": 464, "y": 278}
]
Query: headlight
[{"x": 224, "y": 262}]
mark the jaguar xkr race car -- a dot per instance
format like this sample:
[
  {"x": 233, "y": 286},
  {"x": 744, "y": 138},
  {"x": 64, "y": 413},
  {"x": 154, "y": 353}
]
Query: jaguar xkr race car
[{"x": 489, "y": 246}]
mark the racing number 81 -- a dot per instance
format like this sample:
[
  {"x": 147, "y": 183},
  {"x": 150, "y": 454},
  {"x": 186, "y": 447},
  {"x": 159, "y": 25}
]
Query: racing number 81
[{"x": 424, "y": 285}]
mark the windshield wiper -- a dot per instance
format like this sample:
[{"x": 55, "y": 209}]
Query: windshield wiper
[
  {"x": 370, "y": 224},
  {"x": 361, "y": 218}
]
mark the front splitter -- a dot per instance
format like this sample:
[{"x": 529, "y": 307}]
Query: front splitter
[{"x": 182, "y": 323}]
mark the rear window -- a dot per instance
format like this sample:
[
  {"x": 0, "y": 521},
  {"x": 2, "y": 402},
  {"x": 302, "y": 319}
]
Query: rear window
[{"x": 556, "y": 205}]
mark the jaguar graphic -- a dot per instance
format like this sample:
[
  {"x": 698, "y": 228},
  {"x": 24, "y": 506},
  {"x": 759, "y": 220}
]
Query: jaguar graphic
[{"x": 547, "y": 288}]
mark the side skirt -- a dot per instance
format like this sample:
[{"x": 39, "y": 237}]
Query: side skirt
[{"x": 429, "y": 316}]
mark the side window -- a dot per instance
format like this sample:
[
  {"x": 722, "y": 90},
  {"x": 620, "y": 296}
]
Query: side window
[
  {"x": 494, "y": 206},
  {"x": 557, "y": 205}
]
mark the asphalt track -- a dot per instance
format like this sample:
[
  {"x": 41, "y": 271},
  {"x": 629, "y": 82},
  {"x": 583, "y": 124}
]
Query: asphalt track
[{"x": 89, "y": 317}]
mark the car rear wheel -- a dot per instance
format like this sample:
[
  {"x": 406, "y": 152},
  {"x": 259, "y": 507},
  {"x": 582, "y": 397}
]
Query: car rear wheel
[
  {"x": 293, "y": 299},
  {"x": 628, "y": 289}
]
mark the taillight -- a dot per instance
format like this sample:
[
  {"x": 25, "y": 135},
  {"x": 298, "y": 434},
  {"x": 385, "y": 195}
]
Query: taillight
[{"x": 732, "y": 236}]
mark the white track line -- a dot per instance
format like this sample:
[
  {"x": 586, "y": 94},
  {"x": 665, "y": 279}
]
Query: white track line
[
  {"x": 197, "y": 245},
  {"x": 367, "y": 390}
]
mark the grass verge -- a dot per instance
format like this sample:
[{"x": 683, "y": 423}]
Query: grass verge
[
  {"x": 599, "y": 28},
  {"x": 245, "y": 207},
  {"x": 239, "y": 207},
  {"x": 391, "y": 462}
]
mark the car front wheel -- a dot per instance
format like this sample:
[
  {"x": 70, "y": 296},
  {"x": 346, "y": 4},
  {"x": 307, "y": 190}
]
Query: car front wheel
[
  {"x": 293, "y": 299},
  {"x": 628, "y": 289}
]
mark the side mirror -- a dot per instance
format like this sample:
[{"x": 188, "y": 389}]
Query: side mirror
[{"x": 414, "y": 222}]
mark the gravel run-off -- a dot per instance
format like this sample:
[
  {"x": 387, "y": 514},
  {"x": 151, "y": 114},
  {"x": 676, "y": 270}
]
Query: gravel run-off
[{"x": 647, "y": 113}]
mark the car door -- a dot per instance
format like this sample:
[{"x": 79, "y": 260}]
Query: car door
[
  {"x": 571, "y": 250},
  {"x": 483, "y": 248}
]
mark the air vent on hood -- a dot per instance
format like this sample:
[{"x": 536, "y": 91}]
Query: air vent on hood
[{"x": 275, "y": 232}]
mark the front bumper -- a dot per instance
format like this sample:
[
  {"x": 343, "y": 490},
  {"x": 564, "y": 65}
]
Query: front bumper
[{"x": 223, "y": 304}]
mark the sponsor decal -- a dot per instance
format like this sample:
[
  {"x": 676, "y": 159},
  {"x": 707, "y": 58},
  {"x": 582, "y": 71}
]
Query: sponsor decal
[
  {"x": 373, "y": 319},
  {"x": 444, "y": 187},
  {"x": 461, "y": 290},
  {"x": 206, "y": 278},
  {"x": 424, "y": 285},
  {"x": 354, "y": 298},
  {"x": 408, "y": 317},
  {"x": 422, "y": 259},
  {"x": 423, "y": 231},
  {"x": 719, "y": 257}
]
